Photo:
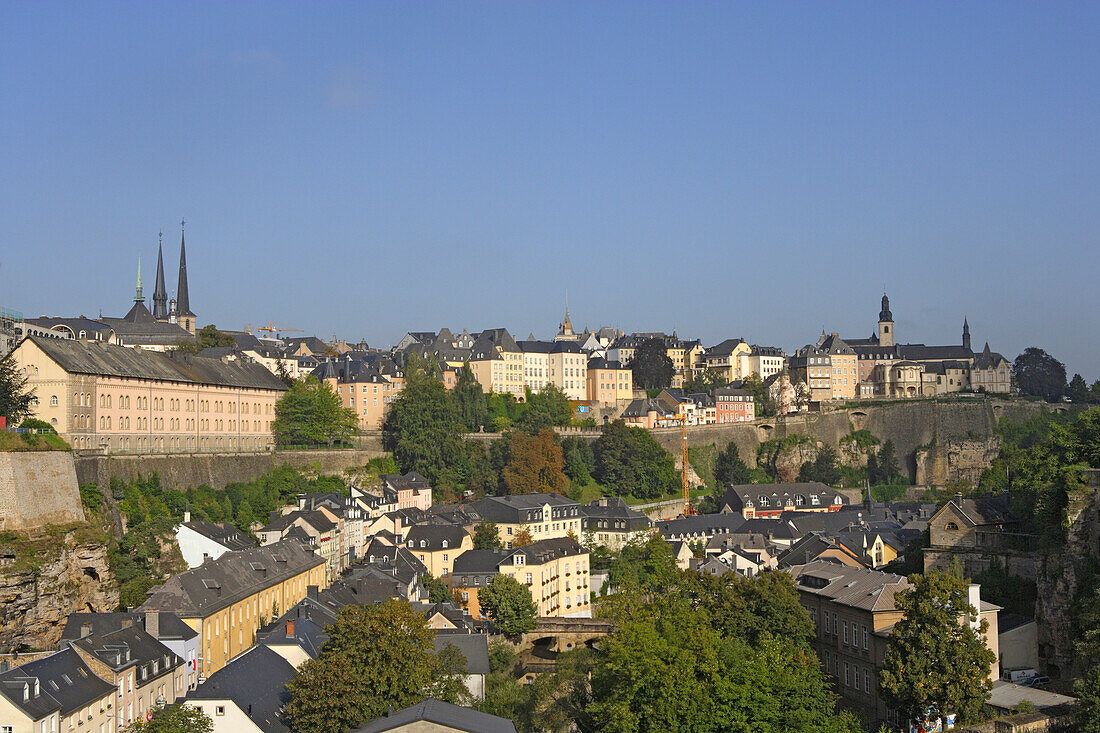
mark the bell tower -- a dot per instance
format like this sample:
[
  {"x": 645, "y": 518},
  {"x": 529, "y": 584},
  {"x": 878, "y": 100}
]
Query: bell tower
[{"x": 885, "y": 323}]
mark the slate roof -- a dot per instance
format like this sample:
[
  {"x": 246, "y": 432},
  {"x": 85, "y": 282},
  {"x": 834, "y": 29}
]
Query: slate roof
[
  {"x": 725, "y": 348},
  {"x": 642, "y": 407},
  {"x": 76, "y": 325},
  {"x": 988, "y": 359},
  {"x": 515, "y": 509},
  {"x": 171, "y": 626},
  {"x": 256, "y": 682},
  {"x": 433, "y": 537},
  {"x": 140, "y": 328},
  {"x": 479, "y": 561},
  {"x": 224, "y": 533},
  {"x": 702, "y": 525},
  {"x": 130, "y": 646},
  {"x": 315, "y": 518},
  {"x": 920, "y": 352},
  {"x": 442, "y": 714},
  {"x": 810, "y": 547},
  {"x": 308, "y": 634},
  {"x": 833, "y": 344},
  {"x": 66, "y": 684},
  {"x": 987, "y": 510},
  {"x": 598, "y": 362},
  {"x": 474, "y": 647},
  {"x": 869, "y": 590},
  {"x": 613, "y": 509},
  {"x": 79, "y": 357},
  {"x": 233, "y": 576},
  {"x": 780, "y": 495},
  {"x": 543, "y": 551}
]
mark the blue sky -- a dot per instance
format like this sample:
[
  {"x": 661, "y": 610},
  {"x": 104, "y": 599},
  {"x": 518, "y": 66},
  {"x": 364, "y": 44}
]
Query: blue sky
[{"x": 723, "y": 169}]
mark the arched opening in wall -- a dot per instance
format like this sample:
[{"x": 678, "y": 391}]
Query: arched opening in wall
[
  {"x": 858, "y": 418},
  {"x": 91, "y": 573},
  {"x": 765, "y": 431}
]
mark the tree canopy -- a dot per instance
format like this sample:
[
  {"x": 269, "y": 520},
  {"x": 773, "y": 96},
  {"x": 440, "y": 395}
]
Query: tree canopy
[
  {"x": 535, "y": 464},
  {"x": 651, "y": 367},
  {"x": 508, "y": 603},
  {"x": 1039, "y": 374},
  {"x": 935, "y": 665},
  {"x": 630, "y": 462},
  {"x": 423, "y": 430},
  {"x": 376, "y": 657},
  {"x": 705, "y": 381},
  {"x": 544, "y": 409},
  {"x": 473, "y": 408},
  {"x": 487, "y": 537},
  {"x": 824, "y": 468},
  {"x": 310, "y": 413},
  {"x": 176, "y": 718},
  {"x": 15, "y": 398},
  {"x": 730, "y": 469}
]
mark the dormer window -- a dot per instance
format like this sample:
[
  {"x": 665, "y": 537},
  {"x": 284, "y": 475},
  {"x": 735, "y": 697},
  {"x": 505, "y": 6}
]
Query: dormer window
[
  {"x": 423, "y": 543},
  {"x": 763, "y": 500}
]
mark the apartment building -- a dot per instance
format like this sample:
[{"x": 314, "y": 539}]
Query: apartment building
[
  {"x": 853, "y": 612},
  {"x": 542, "y": 516},
  {"x": 98, "y": 395},
  {"x": 608, "y": 382},
  {"x": 497, "y": 362},
  {"x": 732, "y": 404},
  {"x": 227, "y": 600},
  {"x": 725, "y": 358},
  {"x": 843, "y": 366},
  {"x": 556, "y": 571},
  {"x": 813, "y": 367},
  {"x": 608, "y": 521},
  {"x": 58, "y": 692},
  {"x": 318, "y": 529},
  {"x": 438, "y": 546},
  {"x": 362, "y": 388}
]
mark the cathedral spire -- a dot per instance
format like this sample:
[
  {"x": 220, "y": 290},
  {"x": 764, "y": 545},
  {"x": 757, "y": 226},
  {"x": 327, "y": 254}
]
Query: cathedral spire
[
  {"x": 160, "y": 293},
  {"x": 183, "y": 304},
  {"x": 138, "y": 297},
  {"x": 966, "y": 333}
]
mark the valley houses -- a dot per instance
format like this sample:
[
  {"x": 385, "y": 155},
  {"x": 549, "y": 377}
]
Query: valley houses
[{"x": 128, "y": 400}]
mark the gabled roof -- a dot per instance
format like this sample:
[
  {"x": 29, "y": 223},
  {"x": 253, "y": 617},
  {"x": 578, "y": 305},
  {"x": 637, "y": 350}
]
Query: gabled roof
[
  {"x": 442, "y": 714},
  {"x": 218, "y": 584},
  {"x": 869, "y": 590},
  {"x": 920, "y": 352},
  {"x": 256, "y": 682},
  {"x": 80, "y": 357},
  {"x": 987, "y": 510},
  {"x": 725, "y": 348},
  {"x": 65, "y": 684},
  {"x": 224, "y": 533},
  {"x": 130, "y": 646},
  {"x": 171, "y": 626},
  {"x": 433, "y": 537}
]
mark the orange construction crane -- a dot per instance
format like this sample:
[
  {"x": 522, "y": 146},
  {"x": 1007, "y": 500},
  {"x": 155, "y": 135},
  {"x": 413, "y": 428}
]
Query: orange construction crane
[
  {"x": 689, "y": 510},
  {"x": 276, "y": 330}
]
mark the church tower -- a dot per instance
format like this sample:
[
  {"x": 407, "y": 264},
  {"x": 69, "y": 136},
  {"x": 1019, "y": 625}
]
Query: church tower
[
  {"x": 885, "y": 323},
  {"x": 966, "y": 334},
  {"x": 160, "y": 294},
  {"x": 184, "y": 316}
]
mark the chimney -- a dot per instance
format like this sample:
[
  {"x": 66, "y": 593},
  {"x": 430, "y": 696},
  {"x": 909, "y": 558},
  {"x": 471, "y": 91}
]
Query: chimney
[
  {"x": 974, "y": 598},
  {"x": 311, "y": 592},
  {"x": 85, "y": 630},
  {"x": 290, "y": 628},
  {"x": 152, "y": 623},
  {"x": 958, "y": 498},
  {"x": 186, "y": 517}
]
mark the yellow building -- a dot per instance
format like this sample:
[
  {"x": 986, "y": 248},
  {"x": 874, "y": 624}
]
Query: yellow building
[
  {"x": 362, "y": 387},
  {"x": 134, "y": 401},
  {"x": 726, "y": 358},
  {"x": 555, "y": 571},
  {"x": 437, "y": 546},
  {"x": 843, "y": 366},
  {"x": 227, "y": 600},
  {"x": 541, "y": 516},
  {"x": 608, "y": 382},
  {"x": 497, "y": 362},
  {"x": 57, "y": 692}
]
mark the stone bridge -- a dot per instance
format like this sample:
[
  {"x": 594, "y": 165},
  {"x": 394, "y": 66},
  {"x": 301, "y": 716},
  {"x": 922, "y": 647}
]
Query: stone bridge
[{"x": 562, "y": 634}]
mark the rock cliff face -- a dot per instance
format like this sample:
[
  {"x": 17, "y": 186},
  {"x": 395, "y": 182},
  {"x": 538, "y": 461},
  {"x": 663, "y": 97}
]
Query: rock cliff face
[
  {"x": 1062, "y": 572},
  {"x": 35, "y": 601},
  {"x": 955, "y": 459}
]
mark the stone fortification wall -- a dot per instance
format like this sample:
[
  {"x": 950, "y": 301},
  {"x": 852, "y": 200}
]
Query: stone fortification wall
[
  {"x": 181, "y": 471},
  {"x": 38, "y": 488}
]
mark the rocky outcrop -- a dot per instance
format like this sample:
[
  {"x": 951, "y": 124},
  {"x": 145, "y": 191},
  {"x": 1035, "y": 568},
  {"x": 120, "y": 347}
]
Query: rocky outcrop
[
  {"x": 1062, "y": 573},
  {"x": 38, "y": 591},
  {"x": 952, "y": 460}
]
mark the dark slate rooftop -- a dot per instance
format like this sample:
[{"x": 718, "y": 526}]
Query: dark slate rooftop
[
  {"x": 79, "y": 357},
  {"x": 256, "y": 682},
  {"x": 442, "y": 714},
  {"x": 219, "y": 583},
  {"x": 130, "y": 646},
  {"x": 474, "y": 647},
  {"x": 172, "y": 626},
  {"x": 65, "y": 684},
  {"x": 433, "y": 537},
  {"x": 223, "y": 533}
]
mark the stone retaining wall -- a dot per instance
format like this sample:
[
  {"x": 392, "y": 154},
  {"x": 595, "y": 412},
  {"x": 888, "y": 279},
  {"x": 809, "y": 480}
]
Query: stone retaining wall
[{"x": 38, "y": 488}]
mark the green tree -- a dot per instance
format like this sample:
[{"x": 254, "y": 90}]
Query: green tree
[
  {"x": 580, "y": 461},
  {"x": 376, "y": 656},
  {"x": 651, "y": 368},
  {"x": 1087, "y": 712},
  {"x": 508, "y": 603},
  {"x": 933, "y": 661},
  {"x": 751, "y": 609},
  {"x": 887, "y": 469},
  {"x": 15, "y": 398},
  {"x": 176, "y": 718},
  {"x": 545, "y": 409},
  {"x": 630, "y": 462},
  {"x": 438, "y": 591},
  {"x": 310, "y": 413},
  {"x": 644, "y": 563},
  {"x": 487, "y": 537},
  {"x": 705, "y": 381},
  {"x": 535, "y": 464},
  {"x": 824, "y": 468},
  {"x": 730, "y": 469},
  {"x": 473, "y": 409},
  {"x": 424, "y": 431},
  {"x": 758, "y": 388},
  {"x": 1039, "y": 374},
  {"x": 1077, "y": 390}
]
